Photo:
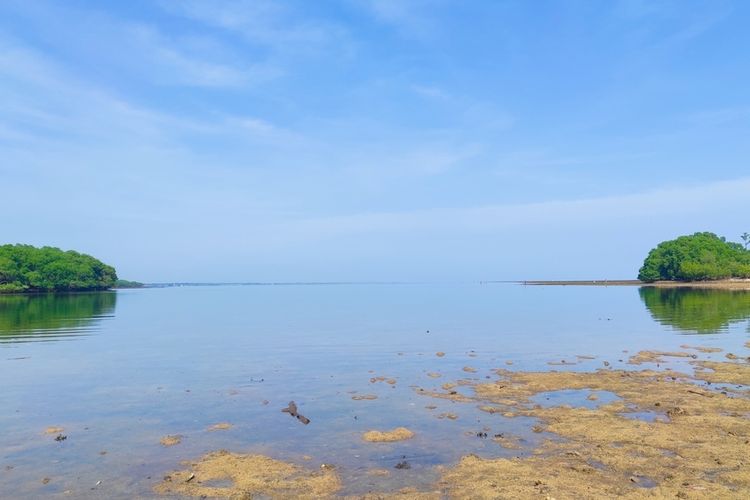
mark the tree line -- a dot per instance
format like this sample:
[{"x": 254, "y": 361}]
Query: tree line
[
  {"x": 25, "y": 268},
  {"x": 698, "y": 257}
]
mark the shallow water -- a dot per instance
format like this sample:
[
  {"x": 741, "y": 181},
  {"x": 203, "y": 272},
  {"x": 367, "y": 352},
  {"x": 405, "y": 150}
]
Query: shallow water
[
  {"x": 120, "y": 370},
  {"x": 583, "y": 398}
]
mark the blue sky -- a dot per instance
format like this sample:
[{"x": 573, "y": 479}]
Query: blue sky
[{"x": 372, "y": 140}]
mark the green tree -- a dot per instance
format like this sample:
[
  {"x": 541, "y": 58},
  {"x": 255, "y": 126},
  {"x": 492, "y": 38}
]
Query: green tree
[
  {"x": 701, "y": 256},
  {"x": 24, "y": 268},
  {"x": 746, "y": 238}
]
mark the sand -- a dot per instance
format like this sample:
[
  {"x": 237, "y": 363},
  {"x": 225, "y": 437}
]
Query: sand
[
  {"x": 726, "y": 372},
  {"x": 397, "y": 434},
  {"x": 701, "y": 348},
  {"x": 223, "y": 426},
  {"x": 656, "y": 356},
  {"x": 508, "y": 442},
  {"x": 249, "y": 476},
  {"x": 697, "y": 447}
]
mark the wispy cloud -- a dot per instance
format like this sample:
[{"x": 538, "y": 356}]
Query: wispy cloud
[
  {"x": 737, "y": 115},
  {"x": 680, "y": 201},
  {"x": 38, "y": 94},
  {"x": 175, "y": 65},
  {"x": 141, "y": 50},
  {"x": 275, "y": 25},
  {"x": 432, "y": 92},
  {"x": 412, "y": 18},
  {"x": 382, "y": 168},
  {"x": 41, "y": 93},
  {"x": 668, "y": 25},
  {"x": 593, "y": 236}
]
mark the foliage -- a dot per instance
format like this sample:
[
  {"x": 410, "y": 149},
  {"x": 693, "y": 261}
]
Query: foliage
[
  {"x": 746, "y": 239},
  {"x": 52, "y": 311},
  {"x": 696, "y": 310},
  {"x": 24, "y": 268},
  {"x": 702, "y": 256},
  {"x": 128, "y": 284}
]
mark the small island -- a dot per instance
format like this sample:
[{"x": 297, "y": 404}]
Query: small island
[
  {"x": 700, "y": 260},
  {"x": 699, "y": 257},
  {"x": 28, "y": 269}
]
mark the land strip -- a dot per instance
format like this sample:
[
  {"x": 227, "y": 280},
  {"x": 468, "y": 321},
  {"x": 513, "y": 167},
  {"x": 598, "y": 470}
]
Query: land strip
[{"x": 733, "y": 284}]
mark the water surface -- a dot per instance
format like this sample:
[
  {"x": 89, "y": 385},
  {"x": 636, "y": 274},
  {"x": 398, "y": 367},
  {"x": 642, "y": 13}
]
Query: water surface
[{"x": 120, "y": 370}]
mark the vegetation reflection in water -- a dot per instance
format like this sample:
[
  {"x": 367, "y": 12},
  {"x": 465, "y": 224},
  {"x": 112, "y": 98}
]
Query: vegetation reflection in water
[
  {"x": 696, "y": 310},
  {"x": 52, "y": 316}
]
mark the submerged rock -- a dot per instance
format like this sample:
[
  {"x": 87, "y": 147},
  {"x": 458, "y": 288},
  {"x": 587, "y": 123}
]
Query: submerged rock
[
  {"x": 171, "y": 440},
  {"x": 397, "y": 434}
]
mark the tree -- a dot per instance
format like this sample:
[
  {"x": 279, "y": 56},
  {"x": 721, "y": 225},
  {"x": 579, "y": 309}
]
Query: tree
[
  {"x": 24, "y": 268},
  {"x": 746, "y": 238},
  {"x": 701, "y": 256}
]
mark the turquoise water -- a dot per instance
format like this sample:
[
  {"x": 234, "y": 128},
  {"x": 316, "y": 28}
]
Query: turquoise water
[{"x": 120, "y": 370}]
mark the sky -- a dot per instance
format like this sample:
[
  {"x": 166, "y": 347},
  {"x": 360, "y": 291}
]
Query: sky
[{"x": 372, "y": 140}]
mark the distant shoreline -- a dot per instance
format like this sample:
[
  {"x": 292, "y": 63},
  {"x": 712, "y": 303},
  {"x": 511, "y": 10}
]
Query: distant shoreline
[
  {"x": 583, "y": 282},
  {"x": 730, "y": 284}
]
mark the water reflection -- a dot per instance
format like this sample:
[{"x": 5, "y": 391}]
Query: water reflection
[
  {"x": 696, "y": 310},
  {"x": 25, "y": 318}
]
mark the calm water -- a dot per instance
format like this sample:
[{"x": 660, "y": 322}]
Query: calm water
[{"x": 120, "y": 370}]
